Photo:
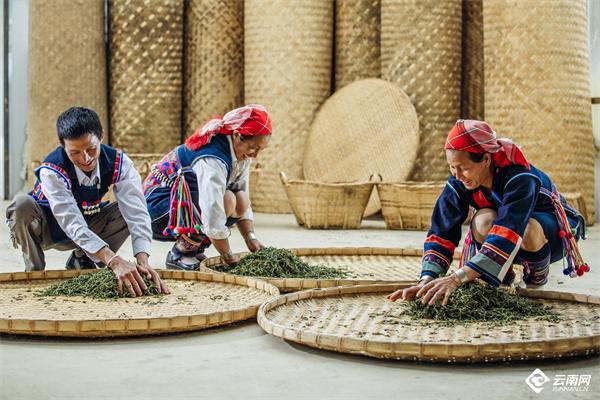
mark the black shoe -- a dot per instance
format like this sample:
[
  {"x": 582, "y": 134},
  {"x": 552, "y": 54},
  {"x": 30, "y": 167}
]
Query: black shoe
[
  {"x": 80, "y": 261},
  {"x": 174, "y": 261}
]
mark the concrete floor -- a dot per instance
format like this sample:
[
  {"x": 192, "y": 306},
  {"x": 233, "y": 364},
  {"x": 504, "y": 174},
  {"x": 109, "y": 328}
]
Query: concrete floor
[{"x": 241, "y": 361}]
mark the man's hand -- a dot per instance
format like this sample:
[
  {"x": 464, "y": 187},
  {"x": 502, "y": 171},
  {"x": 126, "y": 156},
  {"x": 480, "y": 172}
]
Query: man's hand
[
  {"x": 127, "y": 274},
  {"x": 254, "y": 245},
  {"x": 144, "y": 267},
  {"x": 409, "y": 292}
]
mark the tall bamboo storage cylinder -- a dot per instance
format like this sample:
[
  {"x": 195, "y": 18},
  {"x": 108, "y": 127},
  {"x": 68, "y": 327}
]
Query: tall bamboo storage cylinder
[
  {"x": 421, "y": 51},
  {"x": 146, "y": 58},
  {"x": 67, "y": 68},
  {"x": 472, "y": 60},
  {"x": 287, "y": 68},
  {"x": 214, "y": 60},
  {"x": 357, "y": 41},
  {"x": 537, "y": 88}
]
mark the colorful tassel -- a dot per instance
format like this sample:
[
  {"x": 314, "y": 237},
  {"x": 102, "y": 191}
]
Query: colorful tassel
[{"x": 184, "y": 217}]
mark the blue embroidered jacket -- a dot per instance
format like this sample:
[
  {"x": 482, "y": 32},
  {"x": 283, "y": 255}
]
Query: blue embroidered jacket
[{"x": 516, "y": 193}]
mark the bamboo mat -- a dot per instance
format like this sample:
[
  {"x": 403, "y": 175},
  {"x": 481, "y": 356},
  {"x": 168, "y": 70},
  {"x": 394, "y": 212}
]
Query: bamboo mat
[
  {"x": 537, "y": 87},
  {"x": 67, "y": 67},
  {"x": 288, "y": 60},
  {"x": 421, "y": 51},
  {"x": 472, "y": 90},
  {"x": 214, "y": 60}
]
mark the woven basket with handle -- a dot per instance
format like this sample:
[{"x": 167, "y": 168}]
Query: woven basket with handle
[{"x": 327, "y": 205}]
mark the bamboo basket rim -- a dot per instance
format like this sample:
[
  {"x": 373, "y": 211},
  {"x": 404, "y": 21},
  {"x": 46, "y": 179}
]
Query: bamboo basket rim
[
  {"x": 294, "y": 284},
  {"x": 436, "y": 352},
  {"x": 414, "y": 184},
  {"x": 288, "y": 182},
  {"x": 112, "y": 327}
]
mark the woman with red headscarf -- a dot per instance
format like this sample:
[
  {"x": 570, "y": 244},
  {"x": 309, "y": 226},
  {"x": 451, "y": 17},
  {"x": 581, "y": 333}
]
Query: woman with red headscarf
[
  {"x": 520, "y": 218},
  {"x": 199, "y": 189}
]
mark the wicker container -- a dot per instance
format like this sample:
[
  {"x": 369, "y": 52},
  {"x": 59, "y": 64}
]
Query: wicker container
[
  {"x": 319, "y": 205},
  {"x": 421, "y": 51},
  {"x": 287, "y": 68},
  {"x": 214, "y": 60},
  {"x": 409, "y": 205},
  {"x": 537, "y": 87},
  {"x": 146, "y": 60},
  {"x": 67, "y": 67},
  {"x": 357, "y": 41},
  {"x": 577, "y": 201}
]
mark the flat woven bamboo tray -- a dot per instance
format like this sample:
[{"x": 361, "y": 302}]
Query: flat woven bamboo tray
[
  {"x": 58, "y": 81},
  {"x": 197, "y": 301},
  {"x": 421, "y": 52},
  {"x": 360, "y": 320},
  {"x": 408, "y": 205},
  {"x": 370, "y": 265},
  {"x": 368, "y": 127},
  {"x": 318, "y": 205},
  {"x": 287, "y": 68},
  {"x": 540, "y": 75}
]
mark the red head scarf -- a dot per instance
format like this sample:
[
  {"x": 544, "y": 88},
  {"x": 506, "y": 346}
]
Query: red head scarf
[
  {"x": 479, "y": 137},
  {"x": 250, "y": 120}
]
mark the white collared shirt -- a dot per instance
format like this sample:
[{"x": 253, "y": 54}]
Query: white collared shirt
[
  {"x": 212, "y": 183},
  {"x": 128, "y": 192}
]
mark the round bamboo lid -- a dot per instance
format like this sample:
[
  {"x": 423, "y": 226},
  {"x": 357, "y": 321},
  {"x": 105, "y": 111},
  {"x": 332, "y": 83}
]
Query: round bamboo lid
[
  {"x": 197, "y": 301},
  {"x": 360, "y": 320},
  {"x": 368, "y": 127},
  {"x": 368, "y": 265}
]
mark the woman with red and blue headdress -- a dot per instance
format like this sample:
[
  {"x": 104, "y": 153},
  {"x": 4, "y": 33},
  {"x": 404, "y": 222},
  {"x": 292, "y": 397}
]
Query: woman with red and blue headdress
[
  {"x": 520, "y": 217},
  {"x": 200, "y": 189}
]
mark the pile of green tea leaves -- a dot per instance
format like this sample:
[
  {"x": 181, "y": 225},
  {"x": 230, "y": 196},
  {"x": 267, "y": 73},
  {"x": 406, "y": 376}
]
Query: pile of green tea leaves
[
  {"x": 281, "y": 263},
  {"x": 99, "y": 285},
  {"x": 482, "y": 303}
]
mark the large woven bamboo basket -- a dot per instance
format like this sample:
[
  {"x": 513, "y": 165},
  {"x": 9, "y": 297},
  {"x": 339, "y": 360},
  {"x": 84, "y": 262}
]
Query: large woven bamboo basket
[
  {"x": 368, "y": 127},
  {"x": 319, "y": 205},
  {"x": 214, "y": 60},
  {"x": 421, "y": 51},
  {"x": 197, "y": 301},
  {"x": 537, "y": 89},
  {"x": 357, "y": 41},
  {"x": 368, "y": 265},
  {"x": 408, "y": 205},
  {"x": 471, "y": 99},
  {"x": 67, "y": 67},
  {"x": 577, "y": 201},
  {"x": 360, "y": 320},
  {"x": 146, "y": 59},
  {"x": 144, "y": 161},
  {"x": 287, "y": 68}
]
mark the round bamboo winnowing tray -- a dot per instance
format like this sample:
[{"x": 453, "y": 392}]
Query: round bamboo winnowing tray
[
  {"x": 537, "y": 89},
  {"x": 368, "y": 127},
  {"x": 369, "y": 265},
  {"x": 197, "y": 301},
  {"x": 360, "y": 320}
]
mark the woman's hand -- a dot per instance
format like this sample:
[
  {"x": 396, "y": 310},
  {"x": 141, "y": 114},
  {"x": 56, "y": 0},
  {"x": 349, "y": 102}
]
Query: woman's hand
[
  {"x": 409, "y": 292},
  {"x": 439, "y": 288}
]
